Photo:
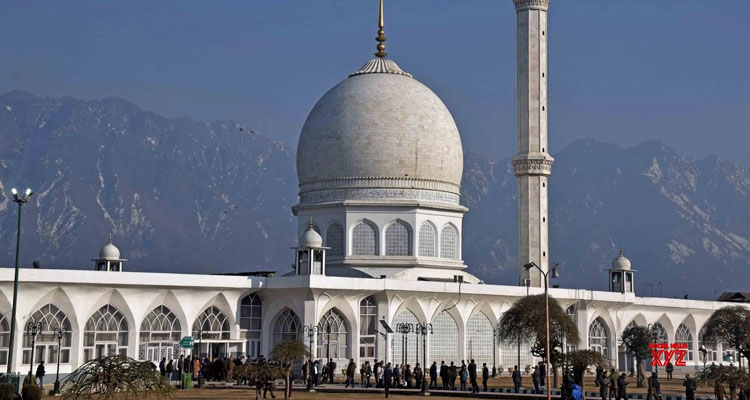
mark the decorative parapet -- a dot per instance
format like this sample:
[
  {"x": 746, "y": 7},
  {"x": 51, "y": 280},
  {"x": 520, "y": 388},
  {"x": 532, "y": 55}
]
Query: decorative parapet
[
  {"x": 377, "y": 182},
  {"x": 531, "y": 4},
  {"x": 341, "y": 195},
  {"x": 526, "y": 166}
]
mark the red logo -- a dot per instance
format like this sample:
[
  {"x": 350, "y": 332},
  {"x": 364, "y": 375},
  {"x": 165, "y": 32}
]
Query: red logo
[{"x": 663, "y": 353}]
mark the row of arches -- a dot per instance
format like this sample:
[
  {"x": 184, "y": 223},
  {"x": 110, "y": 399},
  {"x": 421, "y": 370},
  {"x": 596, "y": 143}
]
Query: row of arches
[
  {"x": 599, "y": 339},
  {"x": 107, "y": 332},
  {"x": 398, "y": 240}
]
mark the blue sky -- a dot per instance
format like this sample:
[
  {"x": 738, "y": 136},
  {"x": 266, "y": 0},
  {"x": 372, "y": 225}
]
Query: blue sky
[{"x": 620, "y": 71}]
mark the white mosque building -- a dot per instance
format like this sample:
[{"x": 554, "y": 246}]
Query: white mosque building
[{"x": 380, "y": 224}]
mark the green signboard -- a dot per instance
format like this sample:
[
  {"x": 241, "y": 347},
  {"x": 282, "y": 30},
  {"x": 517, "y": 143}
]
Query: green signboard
[{"x": 186, "y": 342}]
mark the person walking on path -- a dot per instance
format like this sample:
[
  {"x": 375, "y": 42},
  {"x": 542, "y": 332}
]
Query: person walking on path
[
  {"x": 690, "y": 387},
  {"x": 433, "y": 375},
  {"x": 463, "y": 376},
  {"x": 473, "y": 376},
  {"x": 350, "y": 370},
  {"x": 535, "y": 379},
  {"x": 485, "y": 376},
  {"x": 397, "y": 376},
  {"x": 516, "y": 379},
  {"x": 40, "y": 374},
  {"x": 670, "y": 369},
  {"x": 387, "y": 379},
  {"x": 407, "y": 376},
  {"x": 650, "y": 393},
  {"x": 170, "y": 369},
  {"x": 444, "y": 375},
  {"x": 612, "y": 384},
  {"x": 418, "y": 376},
  {"x": 453, "y": 372},
  {"x": 603, "y": 384},
  {"x": 622, "y": 383},
  {"x": 163, "y": 367}
]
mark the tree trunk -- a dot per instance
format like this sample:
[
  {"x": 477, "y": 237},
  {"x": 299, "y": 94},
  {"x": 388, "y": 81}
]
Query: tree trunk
[
  {"x": 288, "y": 385},
  {"x": 639, "y": 368},
  {"x": 554, "y": 375}
]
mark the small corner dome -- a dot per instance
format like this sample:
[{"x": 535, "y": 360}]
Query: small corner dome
[
  {"x": 621, "y": 262},
  {"x": 310, "y": 238},
  {"x": 380, "y": 127},
  {"x": 109, "y": 252}
]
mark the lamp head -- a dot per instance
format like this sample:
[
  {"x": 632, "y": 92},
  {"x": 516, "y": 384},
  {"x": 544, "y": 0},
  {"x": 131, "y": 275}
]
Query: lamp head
[
  {"x": 528, "y": 266},
  {"x": 28, "y": 192},
  {"x": 14, "y": 192},
  {"x": 555, "y": 274}
]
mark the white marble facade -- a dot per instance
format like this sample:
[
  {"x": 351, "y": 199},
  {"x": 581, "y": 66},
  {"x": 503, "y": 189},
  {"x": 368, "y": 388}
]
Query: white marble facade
[{"x": 251, "y": 314}]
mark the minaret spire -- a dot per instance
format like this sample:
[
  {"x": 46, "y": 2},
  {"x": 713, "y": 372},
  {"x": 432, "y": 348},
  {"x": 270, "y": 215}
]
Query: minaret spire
[
  {"x": 381, "y": 35},
  {"x": 532, "y": 163}
]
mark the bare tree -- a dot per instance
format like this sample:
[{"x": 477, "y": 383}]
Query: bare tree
[{"x": 106, "y": 377}]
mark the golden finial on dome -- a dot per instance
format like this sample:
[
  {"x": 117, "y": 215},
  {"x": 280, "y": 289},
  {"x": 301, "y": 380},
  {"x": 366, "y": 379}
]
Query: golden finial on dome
[{"x": 381, "y": 35}]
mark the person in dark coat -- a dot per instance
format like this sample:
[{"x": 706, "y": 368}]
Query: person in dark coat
[
  {"x": 163, "y": 367},
  {"x": 418, "y": 376},
  {"x": 603, "y": 383},
  {"x": 516, "y": 379},
  {"x": 40, "y": 374},
  {"x": 622, "y": 392},
  {"x": 407, "y": 376},
  {"x": 650, "y": 392},
  {"x": 453, "y": 372},
  {"x": 669, "y": 369},
  {"x": 433, "y": 375},
  {"x": 444, "y": 375},
  {"x": 612, "y": 384},
  {"x": 690, "y": 387},
  {"x": 535, "y": 379},
  {"x": 331, "y": 370},
  {"x": 542, "y": 374},
  {"x": 485, "y": 376},
  {"x": 387, "y": 379},
  {"x": 350, "y": 370},
  {"x": 473, "y": 377}
]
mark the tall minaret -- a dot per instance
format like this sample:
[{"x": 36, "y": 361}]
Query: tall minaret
[{"x": 532, "y": 164}]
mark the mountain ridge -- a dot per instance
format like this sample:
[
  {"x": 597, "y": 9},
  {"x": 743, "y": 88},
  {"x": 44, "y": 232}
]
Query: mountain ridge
[{"x": 188, "y": 196}]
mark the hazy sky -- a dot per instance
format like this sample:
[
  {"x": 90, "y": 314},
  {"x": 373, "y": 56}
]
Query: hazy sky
[{"x": 619, "y": 71}]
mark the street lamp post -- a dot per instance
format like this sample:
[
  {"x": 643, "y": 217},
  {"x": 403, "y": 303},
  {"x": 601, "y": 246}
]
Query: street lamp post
[
  {"x": 311, "y": 331},
  {"x": 703, "y": 351},
  {"x": 404, "y": 328},
  {"x": 495, "y": 335},
  {"x": 424, "y": 330},
  {"x": 33, "y": 329},
  {"x": 60, "y": 334},
  {"x": 546, "y": 305},
  {"x": 11, "y": 347}
]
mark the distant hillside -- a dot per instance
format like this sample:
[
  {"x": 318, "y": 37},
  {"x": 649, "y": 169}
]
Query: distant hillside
[{"x": 186, "y": 196}]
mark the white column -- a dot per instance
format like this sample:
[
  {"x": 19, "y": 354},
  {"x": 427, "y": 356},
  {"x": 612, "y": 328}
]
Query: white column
[{"x": 532, "y": 163}]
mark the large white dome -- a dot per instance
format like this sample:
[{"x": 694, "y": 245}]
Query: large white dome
[{"x": 380, "y": 129}]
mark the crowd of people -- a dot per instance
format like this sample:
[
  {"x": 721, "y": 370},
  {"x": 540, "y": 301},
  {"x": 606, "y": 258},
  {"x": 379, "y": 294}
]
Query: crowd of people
[{"x": 384, "y": 375}]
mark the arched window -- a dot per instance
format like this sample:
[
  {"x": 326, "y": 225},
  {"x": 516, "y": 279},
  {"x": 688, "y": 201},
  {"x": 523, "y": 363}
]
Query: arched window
[
  {"x": 368, "y": 319},
  {"x": 211, "y": 324},
  {"x": 443, "y": 343},
  {"x": 335, "y": 240},
  {"x": 52, "y": 318},
  {"x": 479, "y": 339},
  {"x": 251, "y": 321},
  {"x": 4, "y": 339},
  {"x": 397, "y": 240},
  {"x": 160, "y": 335},
  {"x": 364, "y": 240},
  {"x": 404, "y": 348},
  {"x": 287, "y": 327},
  {"x": 105, "y": 334},
  {"x": 599, "y": 337},
  {"x": 449, "y": 242},
  {"x": 332, "y": 336},
  {"x": 427, "y": 240},
  {"x": 683, "y": 335},
  {"x": 709, "y": 344}
]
